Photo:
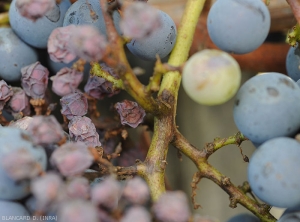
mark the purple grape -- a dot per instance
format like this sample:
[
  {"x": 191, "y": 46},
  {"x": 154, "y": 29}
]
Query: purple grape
[
  {"x": 160, "y": 42},
  {"x": 12, "y": 211},
  {"x": 238, "y": 26},
  {"x": 84, "y": 12},
  {"x": 292, "y": 63},
  {"x": 37, "y": 33},
  {"x": 267, "y": 106},
  {"x": 290, "y": 215},
  {"x": 244, "y": 218},
  {"x": 14, "y": 54},
  {"x": 12, "y": 139},
  {"x": 273, "y": 172}
]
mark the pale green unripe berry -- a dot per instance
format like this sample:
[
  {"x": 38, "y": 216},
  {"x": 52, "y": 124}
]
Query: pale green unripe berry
[{"x": 211, "y": 77}]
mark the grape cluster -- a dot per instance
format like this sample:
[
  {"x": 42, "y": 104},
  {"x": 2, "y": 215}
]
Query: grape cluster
[{"x": 48, "y": 167}]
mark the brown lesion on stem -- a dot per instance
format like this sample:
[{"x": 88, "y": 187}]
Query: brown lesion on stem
[{"x": 117, "y": 59}]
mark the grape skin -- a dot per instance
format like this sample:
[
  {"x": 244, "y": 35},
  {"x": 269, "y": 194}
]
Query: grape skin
[
  {"x": 160, "y": 42},
  {"x": 37, "y": 33},
  {"x": 273, "y": 172},
  {"x": 14, "y": 54},
  {"x": 267, "y": 106},
  {"x": 293, "y": 63},
  {"x": 10, "y": 209},
  {"x": 244, "y": 218},
  {"x": 12, "y": 139},
  {"x": 251, "y": 19},
  {"x": 80, "y": 14},
  {"x": 211, "y": 77}
]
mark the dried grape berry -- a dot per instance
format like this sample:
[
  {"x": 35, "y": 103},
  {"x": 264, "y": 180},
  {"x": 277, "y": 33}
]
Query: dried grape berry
[
  {"x": 74, "y": 104},
  {"x": 66, "y": 81},
  {"x": 130, "y": 113}
]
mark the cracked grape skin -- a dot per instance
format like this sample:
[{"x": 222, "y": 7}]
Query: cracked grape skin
[
  {"x": 80, "y": 14},
  {"x": 273, "y": 172},
  {"x": 267, "y": 106},
  {"x": 9, "y": 209},
  {"x": 37, "y": 33},
  {"x": 238, "y": 26},
  {"x": 161, "y": 41},
  {"x": 293, "y": 62},
  {"x": 13, "y": 139},
  {"x": 14, "y": 54}
]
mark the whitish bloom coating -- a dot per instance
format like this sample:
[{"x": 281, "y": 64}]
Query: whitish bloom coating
[
  {"x": 34, "y": 9},
  {"x": 47, "y": 189},
  {"x": 136, "y": 213},
  {"x": 139, "y": 20},
  {"x": 136, "y": 191},
  {"x": 20, "y": 164},
  {"x": 172, "y": 206},
  {"x": 58, "y": 44},
  {"x": 88, "y": 43},
  {"x": 78, "y": 210},
  {"x": 82, "y": 129},
  {"x": 66, "y": 81},
  {"x": 72, "y": 158},
  {"x": 130, "y": 113},
  {"x": 106, "y": 193},
  {"x": 34, "y": 80},
  {"x": 45, "y": 130}
]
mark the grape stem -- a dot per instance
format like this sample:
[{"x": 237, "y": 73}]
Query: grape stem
[
  {"x": 205, "y": 170},
  {"x": 130, "y": 82},
  {"x": 159, "y": 70},
  {"x": 4, "y": 19},
  {"x": 163, "y": 108}
]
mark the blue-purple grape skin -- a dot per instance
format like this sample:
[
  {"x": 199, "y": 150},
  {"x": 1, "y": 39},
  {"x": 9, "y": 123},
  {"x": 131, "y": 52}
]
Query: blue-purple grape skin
[
  {"x": 273, "y": 172},
  {"x": 238, "y": 26},
  {"x": 80, "y": 14},
  {"x": 267, "y": 106},
  {"x": 14, "y": 54},
  {"x": 37, "y": 33},
  {"x": 160, "y": 42},
  {"x": 244, "y": 217},
  {"x": 290, "y": 215},
  {"x": 9, "y": 209},
  {"x": 13, "y": 139},
  {"x": 293, "y": 63}
]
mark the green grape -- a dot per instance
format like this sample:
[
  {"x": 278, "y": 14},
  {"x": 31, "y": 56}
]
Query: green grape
[{"x": 211, "y": 77}]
